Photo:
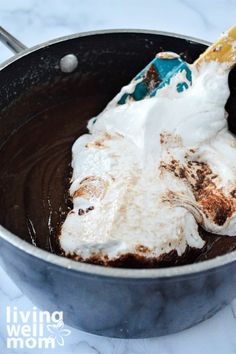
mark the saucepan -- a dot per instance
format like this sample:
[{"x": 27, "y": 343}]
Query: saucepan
[{"x": 115, "y": 302}]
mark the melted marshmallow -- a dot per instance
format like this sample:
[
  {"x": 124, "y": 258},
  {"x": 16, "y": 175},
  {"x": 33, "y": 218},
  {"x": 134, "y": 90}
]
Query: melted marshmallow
[{"x": 143, "y": 175}]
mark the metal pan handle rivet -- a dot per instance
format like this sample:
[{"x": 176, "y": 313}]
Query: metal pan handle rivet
[{"x": 68, "y": 63}]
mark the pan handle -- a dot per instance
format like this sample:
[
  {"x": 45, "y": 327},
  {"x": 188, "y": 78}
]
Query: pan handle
[{"x": 11, "y": 42}]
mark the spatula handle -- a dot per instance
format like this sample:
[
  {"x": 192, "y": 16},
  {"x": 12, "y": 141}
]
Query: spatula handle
[{"x": 222, "y": 51}]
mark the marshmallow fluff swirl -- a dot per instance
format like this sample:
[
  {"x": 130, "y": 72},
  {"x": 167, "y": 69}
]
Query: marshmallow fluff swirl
[{"x": 150, "y": 171}]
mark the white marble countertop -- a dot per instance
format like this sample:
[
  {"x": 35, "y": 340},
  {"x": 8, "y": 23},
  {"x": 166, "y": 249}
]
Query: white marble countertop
[{"x": 34, "y": 21}]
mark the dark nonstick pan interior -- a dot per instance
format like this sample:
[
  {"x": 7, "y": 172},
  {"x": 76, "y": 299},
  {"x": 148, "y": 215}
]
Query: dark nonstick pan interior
[{"x": 44, "y": 110}]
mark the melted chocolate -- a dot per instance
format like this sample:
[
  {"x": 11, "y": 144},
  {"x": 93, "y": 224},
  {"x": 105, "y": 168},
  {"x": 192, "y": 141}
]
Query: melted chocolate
[
  {"x": 35, "y": 171},
  {"x": 34, "y": 180}
]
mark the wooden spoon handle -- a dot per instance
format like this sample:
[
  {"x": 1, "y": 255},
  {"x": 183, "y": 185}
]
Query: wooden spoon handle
[{"x": 222, "y": 51}]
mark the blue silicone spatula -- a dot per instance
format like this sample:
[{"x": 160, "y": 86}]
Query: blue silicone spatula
[{"x": 159, "y": 72}]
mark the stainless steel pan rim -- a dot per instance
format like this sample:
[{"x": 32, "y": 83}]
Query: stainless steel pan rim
[
  {"x": 95, "y": 269},
  {"x": 26, "y": 51}
]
